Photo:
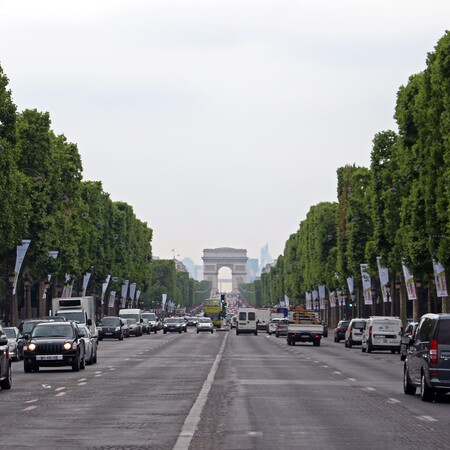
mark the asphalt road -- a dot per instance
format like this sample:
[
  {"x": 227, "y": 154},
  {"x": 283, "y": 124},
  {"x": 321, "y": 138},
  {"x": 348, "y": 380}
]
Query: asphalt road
[{"x": 222, "y": 391}]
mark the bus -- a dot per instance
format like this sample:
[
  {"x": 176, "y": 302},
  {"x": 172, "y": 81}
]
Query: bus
[{"x": 212, "y": 308}]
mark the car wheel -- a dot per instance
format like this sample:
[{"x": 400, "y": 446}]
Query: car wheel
[
  {"x": 256, "y": 332},
  {"x": 7, "y": 382},
  {"x": 349, "y": 344},
  {"x": 316, "y": 343},
  {"x": 164, "y": 331},
  {"x": 83, "y": 363},
  {"x": 90, "y": 361},
  {"x": 426, "y": 392},
  {"x": 27, "y": 367},
  {"x": 121, "y": 337},
  {"x": 337, "y": 340},
  {"x": 212, "y": 331},
  {"x": 369, "y": 347},
  {"x": 155, "y": 331},
  {"x": 94, "y": 359},
  {"x": 363, "y": 349},
  {"x": 237, "y": 332},
  {"x": 76, "y": 365},
  {"x": 402, "y": 357},
  {"x": 408, "y": 388}
]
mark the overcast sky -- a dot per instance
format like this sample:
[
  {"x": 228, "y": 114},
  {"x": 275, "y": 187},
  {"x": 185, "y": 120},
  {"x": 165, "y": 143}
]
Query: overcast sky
[{"x": 220, "y": 122}]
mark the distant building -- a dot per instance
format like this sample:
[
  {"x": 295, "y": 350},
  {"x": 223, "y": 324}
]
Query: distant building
[
  {"x": 199, "y": 273},
  {"x": 265, "y": 258},
  {"x": 190, "y": 266},
  {"x": 179, "y": 266},
  {"x": 252, "y": 269}
]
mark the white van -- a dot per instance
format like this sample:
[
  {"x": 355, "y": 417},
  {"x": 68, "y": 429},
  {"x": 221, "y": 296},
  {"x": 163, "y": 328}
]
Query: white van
[
  {"x": 382, "y": 333},
  {"x": 353, "y": 335},
  {"x": 246, "y": 321}
]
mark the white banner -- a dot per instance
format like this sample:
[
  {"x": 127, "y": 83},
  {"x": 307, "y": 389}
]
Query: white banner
[
  {"x": 164, "y": 299},
  {"x": 315, "y": 295},
  {"x": 132, "y": 293},
  {"x": 322, "y": 292},
  {"x": 105, "y": 288},
  {"x": 350, "y": 284},
  {"x": 138, "y": 296},
  {"x": 124, "y": 293},
  {"x": 383, "y": 272},
  {"x": 67, "y": 290},
  {"x": 332, "y": 299},
  {"x": 322, "y": 303},
  {"x": 366, "y": 283},
  {"x": 410, "y": 285},
  {"x": 439, "y": 277},
  {"x": 20, "y": 255},
  {"x": 286, "y": 301},
  {"x": 86, "y": 278},
  {"x": 112, "y": 299}
]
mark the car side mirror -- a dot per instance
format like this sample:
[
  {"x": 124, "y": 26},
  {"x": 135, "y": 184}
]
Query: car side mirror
[
  {"x": 89, "y": 322},
  {"x": 3, "y": 340}
]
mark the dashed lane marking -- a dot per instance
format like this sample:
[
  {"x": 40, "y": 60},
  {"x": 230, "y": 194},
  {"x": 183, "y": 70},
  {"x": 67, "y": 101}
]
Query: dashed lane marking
[
  {"x": 60, "y": 394},
  {"x": 31, "y": 401},
  {"x": 393, "y": 400},
  {"x": 29, "y": 408},
  {"x": 427, "y": 418},
  {"x": 60, "y": 389}
]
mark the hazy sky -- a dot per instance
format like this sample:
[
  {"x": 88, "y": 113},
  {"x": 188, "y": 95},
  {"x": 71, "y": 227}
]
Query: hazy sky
[{"x": 220, "y": 122}]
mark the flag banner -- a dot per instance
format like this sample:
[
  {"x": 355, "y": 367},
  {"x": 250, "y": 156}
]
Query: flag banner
[
  {"x": 333, "y": 299},
  {"x": 350, "y": 284},
  {"x": 322, "y": 303},
  {"x": 164, "y": 299},
  {"x": 383, "y": 272},
  {"x": 366, "y": 283},
  {"x": 112, "y": 298},
  {"x": 21, "y": 251},
  {"x": 315, "y": 295},
  {"x": 439, "y": 278},
  {"x": 132, "y": 293},
  {"x": 322, "y": 294},
  {"x": 86, "y": 278},
  {"x": 138, "y": 296},
  {"x": 286, "y": 301},
  {"x": 410, "y": 285},
  {"x": 308, "y": 296},
  {"x": 124, "y": 293},
  {"x": 105, "y": 288}
]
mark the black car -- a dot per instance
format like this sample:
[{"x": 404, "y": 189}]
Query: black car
[
  {"x": 404, "y": 344},
  {"x": 427, "y": 362},
  {"x": 110, "y": 327},
  {"x": 339, "y": 331},
  {"x": 5, "y": 362},
  {"x": 177, "y": 324},
  {"x": 54, "y": 344}
]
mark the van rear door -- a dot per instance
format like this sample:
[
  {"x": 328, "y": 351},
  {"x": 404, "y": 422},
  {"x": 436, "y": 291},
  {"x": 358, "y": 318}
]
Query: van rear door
[{"x": 443, "y": 339}]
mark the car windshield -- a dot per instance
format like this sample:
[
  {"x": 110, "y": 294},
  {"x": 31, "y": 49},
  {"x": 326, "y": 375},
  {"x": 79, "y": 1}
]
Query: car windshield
[
  {"x": 83, "y": 331},
  {"x": 174, "y": 320},
  {"x": 76, "y": 316},
  {"x": 205, "y": 320},
  {"x": 10, "y": 333},
  {"x": 131, "y": 321},
  {"x": 150, "y": 316},
  {"x": 110, "y": 322},
  {"x": 45, "y": 330}
]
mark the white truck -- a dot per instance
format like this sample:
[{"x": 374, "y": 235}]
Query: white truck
[
  {"x": 77, "y": 309},
  {"x": 306, "y": 326},
  {"x": 262, "y": 319}
]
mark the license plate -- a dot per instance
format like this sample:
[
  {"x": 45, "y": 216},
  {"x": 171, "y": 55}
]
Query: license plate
[
  {"x": 108, "y": 334},
  {"x": 49, "y": 357},
  {"x": 305, "y": 335}
]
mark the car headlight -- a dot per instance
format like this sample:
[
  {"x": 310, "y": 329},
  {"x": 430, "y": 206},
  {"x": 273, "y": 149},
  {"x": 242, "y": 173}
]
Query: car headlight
[
  {"x": 11, "y": 346},
  {"x": 31, "y": 346},
  {"x": 117, "y": 329},
  {"x": 165, "y": 325},
  {"x": 99, "y": 328},
  {"x": 68, "y": 346}
]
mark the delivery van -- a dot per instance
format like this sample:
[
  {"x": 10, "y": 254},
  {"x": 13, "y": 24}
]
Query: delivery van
[
  {"x": 382, "y": 333},
  {"x": 246, "y": 321}
]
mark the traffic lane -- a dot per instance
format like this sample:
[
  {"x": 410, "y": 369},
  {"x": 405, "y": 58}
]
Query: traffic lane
[
  {"x": 138, "y": 395},
  {"x": 267, "y": 396},
  {"x": 379, "y": 371}
]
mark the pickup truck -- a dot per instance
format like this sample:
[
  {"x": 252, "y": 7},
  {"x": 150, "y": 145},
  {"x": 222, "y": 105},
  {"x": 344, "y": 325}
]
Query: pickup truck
[{"x": 306, "y": 327}]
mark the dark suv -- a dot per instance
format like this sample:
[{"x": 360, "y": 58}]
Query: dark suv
[
  {"x": 54, "y": 344},
  {"x": 110, "y": 327},
  {"x": 428, "y": 358}
]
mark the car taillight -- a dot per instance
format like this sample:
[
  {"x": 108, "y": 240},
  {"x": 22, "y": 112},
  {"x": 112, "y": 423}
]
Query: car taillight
[
  {"x": 370, "y": 331},
  {"x": 340, "y": 329},
  {"x": 433, "y": 351},
  {"x": 350, "y": 332}
]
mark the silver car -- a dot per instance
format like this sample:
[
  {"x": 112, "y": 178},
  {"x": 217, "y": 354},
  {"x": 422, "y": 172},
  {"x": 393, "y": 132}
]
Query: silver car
[
  {"x": 205, "y": 324},
  {"x": 90, "y": 344},
  {"x": 15, "y": 343}
]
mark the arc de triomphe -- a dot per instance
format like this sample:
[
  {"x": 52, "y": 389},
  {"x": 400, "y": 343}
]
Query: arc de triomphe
[{"x": 216, "y": 258}]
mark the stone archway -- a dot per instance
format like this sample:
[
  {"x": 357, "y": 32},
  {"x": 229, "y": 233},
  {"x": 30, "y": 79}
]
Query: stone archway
[{"x": 216, "y": 258}]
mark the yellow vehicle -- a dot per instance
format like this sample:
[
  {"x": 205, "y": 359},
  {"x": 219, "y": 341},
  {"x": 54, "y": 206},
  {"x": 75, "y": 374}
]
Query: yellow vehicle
[{"x": 212, "y": 308}]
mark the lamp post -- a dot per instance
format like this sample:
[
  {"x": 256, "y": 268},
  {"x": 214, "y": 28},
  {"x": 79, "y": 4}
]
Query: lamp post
[
  {"x": 44, "y": 305},
  {"x": 27, "y": 296}
]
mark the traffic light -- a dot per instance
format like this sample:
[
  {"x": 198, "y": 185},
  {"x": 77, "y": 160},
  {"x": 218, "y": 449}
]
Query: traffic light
[{"x": 224, "y": 305}]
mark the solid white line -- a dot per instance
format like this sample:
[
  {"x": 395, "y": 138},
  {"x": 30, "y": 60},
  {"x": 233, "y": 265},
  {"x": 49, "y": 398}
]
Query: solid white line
[{"x": 193, "y": 418}]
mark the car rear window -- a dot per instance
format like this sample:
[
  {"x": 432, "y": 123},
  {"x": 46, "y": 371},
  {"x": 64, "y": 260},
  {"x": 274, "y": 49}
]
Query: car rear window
[
  {"x": 251, "y": 316},
  {"x": 360, "y": 324},
  {"x": 444, "y": 332},
  {"x": 242, "y": 316}
]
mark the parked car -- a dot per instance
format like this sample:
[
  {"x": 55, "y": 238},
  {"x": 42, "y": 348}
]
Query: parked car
[
  {"x": 5, "y": 362},
  {"x": 205, "y": 324},
  {"x": 353, "y": 334},
  {"x": 145, "y": 326},
  {"x": 382, "y": 333},
  {"x": 339, "y": 331},
  {"x": 15, "y": 343},
  {"x": 272, "y": 326},
  {"x": 90, "y": 344},
  {"x": 404, "y": 343},
  {"x": 110, "y": 327},
  {"x": 54, "y": 344},
  {"x": 427, "y": 363},
  {"x": 282, "y": 328},
  {"x": 174, "y": 324}
]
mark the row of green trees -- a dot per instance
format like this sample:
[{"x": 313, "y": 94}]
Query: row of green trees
[
  {"x": 45, "y": 199},
  {"x": 398, "y": 209}
]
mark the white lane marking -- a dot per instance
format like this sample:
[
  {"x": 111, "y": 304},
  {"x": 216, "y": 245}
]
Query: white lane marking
[
  {"x": 46, "y": 386},
  {"x": 82, "y": 379},
  {"x": 317, "y": 362},
  {"x": 427, "y": 418},
  {"x": 336, "y": 372},
  {"x": 29, "y": 408},
  {"x": 325, "y": 366},
  {"x": 351, "y": 379},
  {"x": 60, "y": 389},
  {"x": 255, "y": 433},
  {"x": 99, "y": 375},
  {"x": 60, "y": 394},
  {"x": 193, "y": 418},
  {"x": 393, "y": 400},
  {"x": 82, "y": 383},
  {"x": 98, "y": 371},
  {"x": 31, "y": 401},
  {"x": 112, "y": 368},
  {"x": 369, "y": 388}
]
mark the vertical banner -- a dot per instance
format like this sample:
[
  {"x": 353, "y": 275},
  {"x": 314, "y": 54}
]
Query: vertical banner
[
  {"x": 52, "y": 254},
  {"x": 163, "y": 301},
  {"x": 351, "y": 285},
  {"x": 112, "y": 299},
  {"x": 439, "y": 277},
  {"x": 105, "y": 288},
  {"x": 332, "y": 299},
  {"x": 86, "y": 278},
  {"x": 67, "y": 290},
  {"x": 138, "y": 296},
  {"x": 322, "y": 293},
  {"x": 315, "y": 295},
  {"x": 366, "y": 284},
  {"x": 20, "y": 255},
  {"x": 383, "y": 272},
  {"x": 124, "y": 292},
  {"x": 286, "y": 301},
  {"x": 308, "y": 300},
  {"x": 132, "y": 293},
  {"x": 410, "y": 285}
]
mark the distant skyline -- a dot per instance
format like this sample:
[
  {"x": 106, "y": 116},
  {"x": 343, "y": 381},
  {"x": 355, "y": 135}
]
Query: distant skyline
[{"x": 220, "y": 122}]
